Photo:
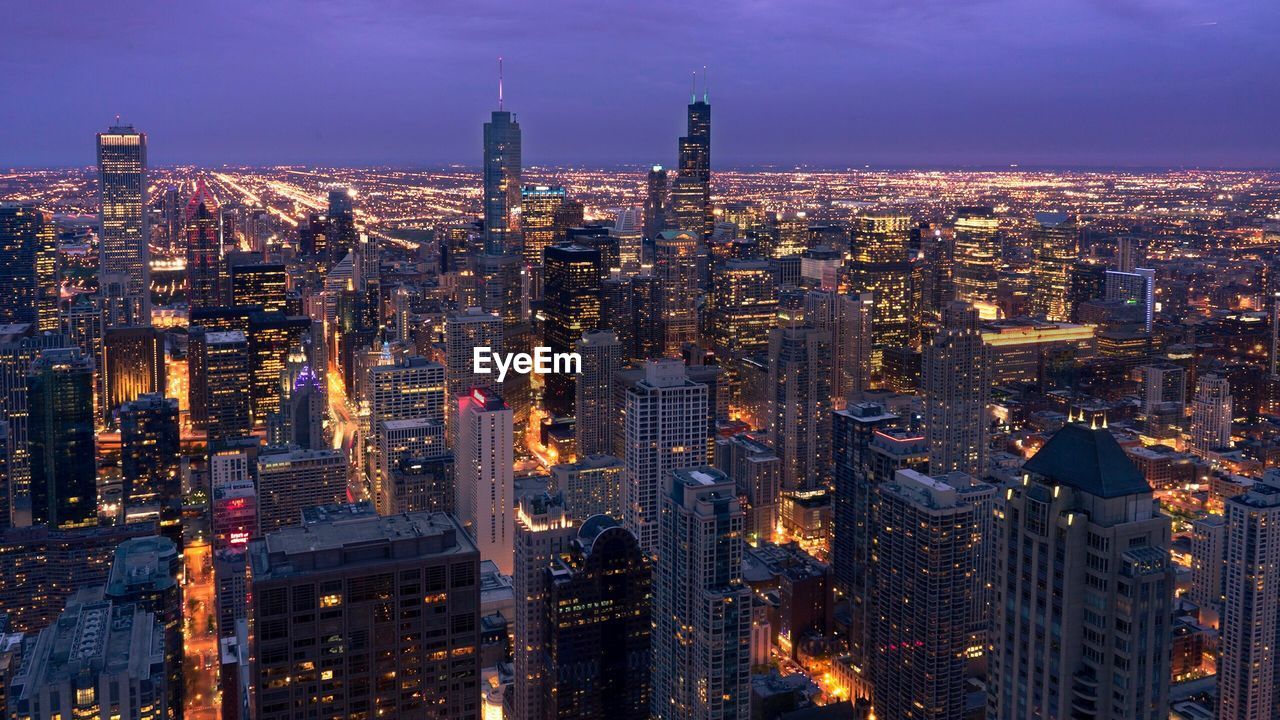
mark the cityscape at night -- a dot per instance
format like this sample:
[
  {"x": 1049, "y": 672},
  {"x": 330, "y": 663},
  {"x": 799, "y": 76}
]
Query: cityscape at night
[{"x": 349, "y": 369}]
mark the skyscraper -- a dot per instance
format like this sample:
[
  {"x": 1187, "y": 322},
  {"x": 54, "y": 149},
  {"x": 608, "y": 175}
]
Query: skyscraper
[
  {"x": 1083, "y": 588},
  {"x": 691, "y": 193},
  {"x": 341, "y": 236},
  {"x": 1134, "y": 288},
  {"x": 485, "y": 482},
  {"x": 571, "y": 305},
  {"x": 147, "y": 572},
  {"x": 701, "y": 608},
  {"x": 598, "y": 610},
  {"x": 347, "y": 570},
  {"x": 590, "y": 486},
  {"x": 290, "y": 482},
  {"x": 1211, "y": 415},
  {"x": 800, "y": 406},
  {"x": 463, "y": 333},
  {"x": 881, "y": 266},
  {"x": 219, "y": 376},
  {"x": 756, "y": 472},
  {"x": 676, "y": 269},
  {"x": 261, "y": 284},
  {"x": 928, "y": 553},
  {"x": 204, "y": 249},
  {"x": 594, "y": 408},
  {"x": 150, "y": 457},
  {"x": 1055, "y": 239},
  {"x": 655, "y": 203},
  {"x": 132, "y": 365},
  {"x": 977, "y": 257},
  {"x": 543, "y": 531},
  {"x": 124, "y": 251},
  {"x": 1249, "y": 667},
  {"x": 740, "y": 308},
  {"x": 64, "y": 471},
  {"x": 955, "y": 380},
  {"x": 28, "y": 266},
  {"x": 539, "y": 207},
  {"x": 664, "y": 428},
  {"x": 501, "y": 181}
]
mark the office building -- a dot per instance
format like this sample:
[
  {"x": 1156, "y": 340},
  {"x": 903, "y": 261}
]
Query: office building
[
  {"x": 543, "y": 530},
  {"x": 928, "y": 555},
  {"x": 150, "y": 459},
  {"x": 655, "y": 203},
  {"x": 594, "y": 395},
  {"x": 1136, "y": 288},
  {"x": 675, "y": 267},
  {"x": 756, "y": 473},
  {"x": 463, "y": 333},
  {"x": 220, "y": 375},
  {"x": 132, "y": 365},
  {"x": 101, "y": 659},
  {"x": 485, "y": 483},
  {"x": 147, "y": 572},
  {"x": 290, "y": 481},
  {"x": 204, "y": 249},
  {"x": 1212, "y": 412},
  {"x": 590, "y": 486},
  {"x": 571, "y": 306},
  {"x": 1083, "y": 588},
  {"x": 302, "y": 411},
  {"x": 233, "y": 512},
  {"x": 701, "y": 608},
  {"x": 1054, "y": 240},
  {"x": 20, "y": 347},
  {"x": 1208, "y": 561},
  {"x": 664, "y": 427},
  {"x": 977, "y": 258},
  {"x": 60, "y": 432},
  {"x": 395, "y": 441},
  {"x": 955, "y": 381},
  {"x": 800, "y": 408},
  {"x": 881, "y": 266},
  {"x": 341, "y": 234},
  {"x": 847, "y": 319},
  {"x": 331, "y": 634},
  {"x": 124, "y": 250},
  {"x": 539, "y": 207},
  {"x": 691, "y": 192},
  {"x": 1249, "y": 666},
  {"x": 271, "y": 336},
  {"x": 28, "y": 266},
  {"x": 264, "y": 285},
  {"x": 740, "y": 308},
  {"x": 599, "y": 630},
  {"x": 422, "y": 485}
]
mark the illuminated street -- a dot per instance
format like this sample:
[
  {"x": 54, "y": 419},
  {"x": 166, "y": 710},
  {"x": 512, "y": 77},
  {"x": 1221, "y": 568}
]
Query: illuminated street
[{"x": 201, "y": 662}]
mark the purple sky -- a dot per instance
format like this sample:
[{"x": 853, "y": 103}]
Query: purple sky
[{"x": 831, "y": 82}]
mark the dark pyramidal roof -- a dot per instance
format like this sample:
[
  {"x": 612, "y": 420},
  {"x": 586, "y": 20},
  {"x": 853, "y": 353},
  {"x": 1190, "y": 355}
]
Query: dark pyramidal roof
[{"x": 1089, "y": 460}]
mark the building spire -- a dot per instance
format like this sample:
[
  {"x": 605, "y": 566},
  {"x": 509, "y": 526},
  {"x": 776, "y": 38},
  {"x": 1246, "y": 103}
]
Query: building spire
[
  {"x": 693, "y": 88},
  {"x": 706, "y": 84},
  {"x": 499, "y": 83}
]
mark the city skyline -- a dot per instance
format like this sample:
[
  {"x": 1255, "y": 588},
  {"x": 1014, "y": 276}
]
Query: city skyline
[{"x": 907, "y": 83}]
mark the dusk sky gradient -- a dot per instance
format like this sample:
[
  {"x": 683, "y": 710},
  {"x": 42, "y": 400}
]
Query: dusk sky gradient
[{"x": 885, "y": 82}]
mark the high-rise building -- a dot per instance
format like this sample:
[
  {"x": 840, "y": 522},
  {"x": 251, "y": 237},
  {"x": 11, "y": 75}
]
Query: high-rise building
[
  {"x": 848, "y": 319},
  {"x": 655, "y": 203},
  {"x": 271, "y": 336},
  {"x": 303, "y": 411},
  {"x": 1134, "y": 288},
  {"x": 262, "y": 284},
  {"x": 598, "y": 610},
  {"x": 28, "y": 266},
  {"x": 132, "y": 365},
  {"x": 20, "y": 347},
  {"x": 664, "y": 428},
  {"x": 676, "y": 270},
  {"x": 414, "y": 387},
  {"x": 701, "y": 608},
  {"x": 1249, "y": 665},
  {"x": 395, "y": 441},
  {"x": 1212, "y": 412},
  {"x": 955, "y": 380},
  {"x": 6, "y": 477},
  {"x": 147, "y": 572},
  {"x": 501, "y": 182},
  {"x": 124, "y": 250},
  {"x": 590, "y": 486},
  {"x": 571, "y": 306},
  {"x": 645, "y": 319},
  {"x": 204, "y": 249},
  {"x": 331, "y": 634},
  {"x": 691, "y": 193},
  {"x": 539, "y": 207},
  {"x": 150, "y": 455},
  {"x": 463, "y": 333},
  {"x": 1083, "y": 588},
  {"x": 341, "y": 236},
  {"x": 543, "y": 530},
  {"x": 99, "y": 660},
  {"x": 289, "y": 482},
  {"x": 881, "y": 266},
  {"x": 64, "y": 470},
  {"x": 929, "y": 564},
  {"x": 800, "y": 406},
  {"x": 422, "y": 485},
  {"x": 756, "y": 472},
  {"x": 977, "y": 258},
  {"x": 485, "y": 481},
  {"x": 740, "y": 308},
  {"x": 220, "y": 375},
  {"x": 594, "y": 408},
  {"x": 233, "y": 511},
  {"x": 1055, "y": 240},
  {"x": 1208, "y": 561}
]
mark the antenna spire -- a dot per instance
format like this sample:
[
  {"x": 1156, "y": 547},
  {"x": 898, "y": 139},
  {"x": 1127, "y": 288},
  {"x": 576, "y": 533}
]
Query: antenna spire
[
  {"x": 499, "y": 82},
  {"x": 693, "y": 88},
  {"x": 706, "y": 84}
]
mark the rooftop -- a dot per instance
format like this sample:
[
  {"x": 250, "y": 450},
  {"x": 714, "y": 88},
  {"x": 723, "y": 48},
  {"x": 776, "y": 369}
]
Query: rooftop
[{"x": 1089, "y": 460}]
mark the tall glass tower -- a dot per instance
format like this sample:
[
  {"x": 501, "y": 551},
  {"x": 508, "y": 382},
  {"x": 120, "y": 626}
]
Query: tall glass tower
[
  {"x": 501, "y": 182},
  {"x": 691, "y": 195},
  {"x": 123, "y": 237}
]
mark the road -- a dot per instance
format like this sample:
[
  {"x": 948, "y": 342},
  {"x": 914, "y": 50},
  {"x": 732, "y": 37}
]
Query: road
[{"x": 200, "y": 661}]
